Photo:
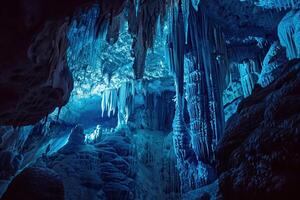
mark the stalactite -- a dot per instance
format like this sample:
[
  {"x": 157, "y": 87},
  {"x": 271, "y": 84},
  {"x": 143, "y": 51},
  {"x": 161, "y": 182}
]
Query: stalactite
[
  {"x": 114, "y": 27},
  {"x": 289, "y": 33},
  {"x": 186, "y": 12},
  {"x": 143, "y": 18},
  {"x": 118, "y": 99},
  {"x": 125, "y": 100},
  {"x": 82, "y": 33},
  {"x": 176, "y": 46},
  {"x": 58, "y": 113},
  {"x": 195, "y": 4},
  {"x": 109, "y": 100}
]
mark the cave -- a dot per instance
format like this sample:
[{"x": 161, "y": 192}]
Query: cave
[{"x": 149, "y": 99}]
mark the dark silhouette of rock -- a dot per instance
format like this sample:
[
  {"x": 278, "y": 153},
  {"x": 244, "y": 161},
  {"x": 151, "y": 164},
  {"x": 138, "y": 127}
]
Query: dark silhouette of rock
[
  {"x": 258, "y": 158},
  {"x": 9, "y": 164},
  {"x": 77, "y": 136},
  {"x": 35, "y": 184}
]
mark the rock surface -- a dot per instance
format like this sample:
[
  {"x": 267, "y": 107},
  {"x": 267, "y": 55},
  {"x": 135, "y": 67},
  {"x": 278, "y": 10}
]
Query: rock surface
[
  {"x": 9, "y": 164},
  {"x": 101, "y": 171},
  {"x": 35, "y": 184},
  {"x": 34, "y": 78},
  {"x": 274, "y": 59},
  {"x": 258, "y": 158}
]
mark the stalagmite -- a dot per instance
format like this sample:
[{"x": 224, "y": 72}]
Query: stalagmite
[{"x": 197, "y": 98}]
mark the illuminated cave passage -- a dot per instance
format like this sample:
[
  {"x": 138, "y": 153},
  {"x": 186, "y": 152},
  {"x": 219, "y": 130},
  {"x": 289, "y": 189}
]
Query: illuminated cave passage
[{"x": 149, "y": 99}]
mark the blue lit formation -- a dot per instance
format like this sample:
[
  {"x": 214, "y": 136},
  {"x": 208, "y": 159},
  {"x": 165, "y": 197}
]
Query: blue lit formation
[
  {"x": 194, "y": 49},
  {"x": 172, "y": 99}
]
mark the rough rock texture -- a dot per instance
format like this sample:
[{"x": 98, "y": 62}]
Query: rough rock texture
[
  {"x": 208, "y": 192},
  {"x": 153, "y": 110},
  {"x": 77, "y": 136},
  {"x": 258, "y": 158},
  {"x": 22, "y": 146},
  {"x": 101, "y": 171},
  {"x": 233, "y": 93},
  {"x": 157, "y": 174},
  {"x": 30, "y": 93},
  {"x": 241, "y": 19},
  {"x": 35, "y": 184},
  {"x": 9, "y": 164},
  {"x": 272, "y": 62},
  {"x": 279, "y": 4}
]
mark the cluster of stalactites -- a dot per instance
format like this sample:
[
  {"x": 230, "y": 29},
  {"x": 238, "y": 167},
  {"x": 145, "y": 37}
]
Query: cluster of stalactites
[
  {"x": 176, "y": 47},
  {"x": 289, "y": 33},
  {"x": 143, "y": 18},
  {"x": 118, "y": 99},
  {"x": 109, "y": 100},
  {"x": 81, "y": 34},
  {"x": 102, "y": 23}
]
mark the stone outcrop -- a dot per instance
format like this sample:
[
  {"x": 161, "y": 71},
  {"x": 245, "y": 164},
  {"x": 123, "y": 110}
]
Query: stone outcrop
[
  {"x": 77, "y": 136},
  {"x": 105, "y": 170},
  {"x": 258, "y": 157},
  {"x": 35, "y": 78},
  {"x": 272, "y": 63},
  {"x": 9, "y": 164},
  {"x": 35, "y": 183}
]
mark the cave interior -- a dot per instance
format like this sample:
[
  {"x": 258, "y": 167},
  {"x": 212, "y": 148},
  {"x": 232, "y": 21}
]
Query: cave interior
[{"x": 149, "y": 99}]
